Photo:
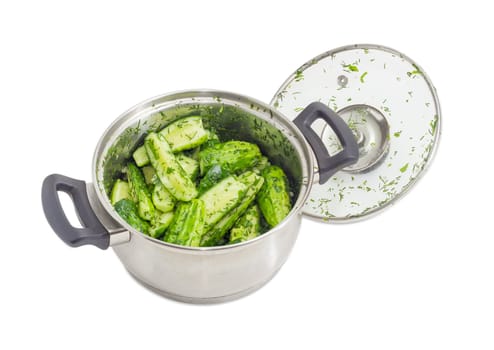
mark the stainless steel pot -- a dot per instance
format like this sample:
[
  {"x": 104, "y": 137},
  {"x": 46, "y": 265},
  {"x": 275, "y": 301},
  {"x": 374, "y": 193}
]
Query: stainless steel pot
[{"x": 200, "y": 275}]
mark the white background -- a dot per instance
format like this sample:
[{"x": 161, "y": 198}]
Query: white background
[{"x": 419, "y": 276}]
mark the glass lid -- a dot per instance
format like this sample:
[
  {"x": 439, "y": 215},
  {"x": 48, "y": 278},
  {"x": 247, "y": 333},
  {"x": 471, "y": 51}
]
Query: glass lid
[{"x": 392, "y": 108}]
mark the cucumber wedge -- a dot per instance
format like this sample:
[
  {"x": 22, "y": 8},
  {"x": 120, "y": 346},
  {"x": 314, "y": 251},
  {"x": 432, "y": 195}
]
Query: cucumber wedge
[
  {"x": 233, "y": 156},
  {"x": 120, "y": 191},
  {"x": 193, "y": 227},
  {"x": 248, "y": 226},
  {"x": 160, "y": 224},
  {"x": 187, "y": 225},
  {"x": 212, "y": 177},
  {"x": 185, "y": 133},
  {"x": 149, "y": 175},
  {"x": 168, "y": 169},
  {"x": 140, "y": 192},
  {"x": 190, "y": 166},
  {"x": 274, "y": 197},
  {"x": 220, "y": 199},
  {"x": 162, "y": 199},
  {"x": 127, "y": 209},
  {"x": 140, "y": 156},
  {"x": 218, "y": 231}
]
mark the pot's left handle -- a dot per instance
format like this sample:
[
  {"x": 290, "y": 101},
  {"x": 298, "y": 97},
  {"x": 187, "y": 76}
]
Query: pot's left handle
[{"x": 92, "y": 232}]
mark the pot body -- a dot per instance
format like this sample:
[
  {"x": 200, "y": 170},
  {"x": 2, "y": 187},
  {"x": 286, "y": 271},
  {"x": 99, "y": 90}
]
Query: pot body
[
  {"x": 212, "y": 274},
  {"x": 206, "y": 277}
]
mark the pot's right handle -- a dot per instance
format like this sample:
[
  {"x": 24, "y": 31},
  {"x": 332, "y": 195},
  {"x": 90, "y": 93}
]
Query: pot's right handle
[
  {"x": 328, "y": 165},
  {"x": 93, "y": 231}
]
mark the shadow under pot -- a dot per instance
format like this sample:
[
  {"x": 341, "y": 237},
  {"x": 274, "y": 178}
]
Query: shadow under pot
[{"x": 200, "y": 274}]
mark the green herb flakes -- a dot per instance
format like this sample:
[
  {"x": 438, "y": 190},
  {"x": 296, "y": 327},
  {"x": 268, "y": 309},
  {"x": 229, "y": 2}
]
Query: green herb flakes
[
  {"x": 362, "y": 77},
  {"x": 404, "y": 168}
]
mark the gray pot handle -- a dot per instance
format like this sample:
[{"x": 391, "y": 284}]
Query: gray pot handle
[
  {"x": 328, "y": 165},
  {"x": 93, "y": 231}
]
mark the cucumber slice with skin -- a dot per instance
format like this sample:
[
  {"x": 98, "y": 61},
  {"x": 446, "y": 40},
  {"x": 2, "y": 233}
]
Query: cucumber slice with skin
[
  {"x": 168, "y": 169},
  {"x": 247, "y": 227},
  {"x": 140, "y": 192},
  {"x": 194, "y": 224},
  {"x": 140, "y": 156},
  {"x": 149, "y": 175},
  {"x": 162, "y": 199},
  {"x": 274, "y": 197},
  {"x": 220, "y": 199},
  {"x": 120, "y": 191},
  {"x": 233, "y": 156},
  {"x": 185, "y": 133},
  {"x": 218, "y": 231},
  {"x": 187, "y": 225},
  {"x": 160, "y": 224},
  {"x": 127, "y": 209},
  {"x": 190, "y": 166},
  {"x": 177, "y": 223},
  {"x": 212, "y": 177}
]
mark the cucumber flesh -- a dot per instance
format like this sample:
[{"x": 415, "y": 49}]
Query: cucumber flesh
[
  {"x": 185, "y": 133},
  {"x": 160, "y": 224},
  {"x": 191, "y": 233},
  {"x": 274, "y": 197},
  {"x": 220, "y": 199},
  {"x": 150, "y": 176},
  {"x": 120, "y": 191},
  {"x": 140, "y": 156},
  {"x": 162, "y": 199},
  {"x": 127, "y": 209},
  {"x": 140, "y": 192},
  {"x": 247, "y": 227},
  {"x": 216, "y": 234},
  {"x": 168, "y": 169},
  {"x": 187, "y": 225},
  {"x": 190, "y": 166}
]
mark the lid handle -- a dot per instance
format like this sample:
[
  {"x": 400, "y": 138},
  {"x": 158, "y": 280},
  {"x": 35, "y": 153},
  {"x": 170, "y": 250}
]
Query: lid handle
[
  {"x": 92, "y": 232},
  {"x": 328, "y": 165}
]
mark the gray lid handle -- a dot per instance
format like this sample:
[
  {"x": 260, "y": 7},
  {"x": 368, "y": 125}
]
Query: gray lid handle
[{"x": 328, "y": 165}]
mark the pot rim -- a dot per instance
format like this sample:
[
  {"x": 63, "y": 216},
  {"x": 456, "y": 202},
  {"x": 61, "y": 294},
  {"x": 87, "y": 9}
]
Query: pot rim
[{"x": 305, "y": 186}]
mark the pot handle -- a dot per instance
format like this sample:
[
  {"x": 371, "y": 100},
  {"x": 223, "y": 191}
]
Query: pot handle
[
  {"x": 92, "y": 232},
  {"x": 328, "y": 165}
]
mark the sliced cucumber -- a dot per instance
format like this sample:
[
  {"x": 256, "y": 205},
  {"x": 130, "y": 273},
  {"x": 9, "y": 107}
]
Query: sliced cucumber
[
  {"x": 120, "y": 191},
  {"x": 274, "y": 197},
  {"x": 160, "y": 224},
  {"x": 216, "y": 234},
  {"x": 162, "y": 198},
  {"x": 221, "y": 198},
  {"x": 185, "y": 133},
  {"x": 149, "y": 175},
  {"x": 191, "y": 232},
  {"x": 190, "y": 166},
  {"x": 127, "y": 209},
  {"x": 140, "y": 192},
  {"x": 141, "y": 157},
  {"x": 168, "y": 169},
  {"x": 247, "y": 227},
  {"x": 233, "y": 156}
]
